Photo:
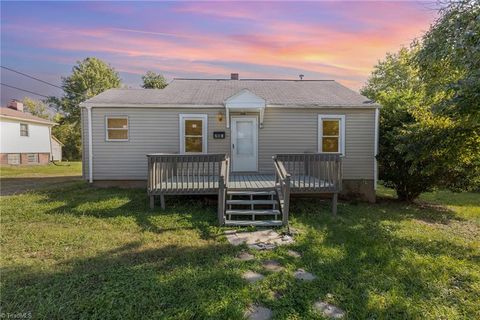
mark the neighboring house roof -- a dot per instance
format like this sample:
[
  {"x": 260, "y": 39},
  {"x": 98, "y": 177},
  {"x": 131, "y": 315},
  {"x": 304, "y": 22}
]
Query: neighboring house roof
[
  {"x": 291, "y": 93},
  {"x": 58, "y": 141},
  {"x": 22, "y": 116}
]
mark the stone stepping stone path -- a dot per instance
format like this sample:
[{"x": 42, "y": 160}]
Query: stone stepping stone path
[
  {"x": 303, "y": 275},
  {"x": 328, "y": 310},
  {"x": 272, "y": 265},
  {"x": 252, "y": 276},
  {"x": 258, "y": 312},
  {"x": 245, "y": 256},
  {"x": 259, "y": 240},
  {"x": 293, "y": 254}
]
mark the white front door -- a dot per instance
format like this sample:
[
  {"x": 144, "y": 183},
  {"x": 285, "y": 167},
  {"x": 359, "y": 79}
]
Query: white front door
[{"x": 244, "y": 143}]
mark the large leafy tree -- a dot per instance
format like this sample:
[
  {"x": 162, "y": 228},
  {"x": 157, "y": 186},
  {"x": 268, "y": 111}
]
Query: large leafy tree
[
  {"x": 89, "y": 77},
  {"x": 429, "y": 129},
  {"x": 395, "y": 84},
  {"x": 449, "y": 65},
  {"x": 152, "y": 80}
]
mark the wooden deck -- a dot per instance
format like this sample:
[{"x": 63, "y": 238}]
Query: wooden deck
[
  {"x": 173, "y": 174},
  {"x": 259, "y": 182}
]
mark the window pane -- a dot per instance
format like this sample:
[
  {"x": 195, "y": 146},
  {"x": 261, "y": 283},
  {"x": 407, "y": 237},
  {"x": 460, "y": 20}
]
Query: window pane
[
  {"x": 32, "y": 157},
  {"x": 331, "y": 127},
  {"x": 13, "y": 158},
  {"x": 23, "y": 130},
  {"x": 330, "y": 145},
  {"x": 193, "y": 144},
  {"x": 193, "y": 127},
  {"x": 117, "y": 134},
  {"x": 244, "y": 138},
  {"x": 118, "y": 123}
]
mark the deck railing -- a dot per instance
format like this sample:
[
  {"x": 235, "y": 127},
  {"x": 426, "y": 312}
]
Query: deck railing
[
  {"x": 178, "y": 174},
  {"x": 313, "y": 172}
]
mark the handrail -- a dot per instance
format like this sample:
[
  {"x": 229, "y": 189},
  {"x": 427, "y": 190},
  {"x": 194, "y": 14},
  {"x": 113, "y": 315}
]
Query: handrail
[
  {"x": 222, "y": 189},
  {"x": 282, "y": 187}
]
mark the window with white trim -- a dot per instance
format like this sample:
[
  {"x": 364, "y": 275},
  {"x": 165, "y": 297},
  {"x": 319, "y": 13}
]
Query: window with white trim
[
  {"x": 193, "y": 133},
  {"x": 116, "y": 128},
  {"x": 13, "y": 158},
  {"x": 331, "y": 134},
  {"x": 23, "y": 130},
  {"x": 32, "y": 157}
]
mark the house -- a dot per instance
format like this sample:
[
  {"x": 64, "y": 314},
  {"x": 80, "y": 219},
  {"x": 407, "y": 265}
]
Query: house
[
  {"x": 251, "y": 141},
  {"x": 57, "y": 146},
  {"x": 25, "y": 139}
]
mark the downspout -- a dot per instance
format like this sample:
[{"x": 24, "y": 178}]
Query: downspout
[
  {"x": 375, "y": 152},
  {"x": 90, "y": 144},
  {"x": 50, "y": 140}
]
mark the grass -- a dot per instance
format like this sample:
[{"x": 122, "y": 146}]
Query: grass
[
  {"x": 101, "y": 253},
  {"x": 50, "y": 170}
]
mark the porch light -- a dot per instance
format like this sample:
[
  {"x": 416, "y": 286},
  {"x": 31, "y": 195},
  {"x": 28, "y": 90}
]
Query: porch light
[{"x": 220, "y": 116}]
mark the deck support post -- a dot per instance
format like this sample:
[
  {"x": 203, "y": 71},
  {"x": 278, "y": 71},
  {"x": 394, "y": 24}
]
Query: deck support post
[
  {"x": 334, "y": 204},
  {"x": 152, "y": 201},
  {"x": 162, "y": 201},
  {"x": 221, "y": 201}
]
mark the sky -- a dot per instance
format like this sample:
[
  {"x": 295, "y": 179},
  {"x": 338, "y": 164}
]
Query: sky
[{"x": 321, "y": 40}]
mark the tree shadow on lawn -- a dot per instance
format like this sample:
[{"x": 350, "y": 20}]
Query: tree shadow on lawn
[
  {"x": 372, "y": 271},
  {"x": 183, "y": 213},
  {"x": 130, "y": 283}
]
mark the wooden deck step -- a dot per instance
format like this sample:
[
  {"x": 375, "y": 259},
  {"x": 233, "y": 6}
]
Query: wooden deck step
[
  {"x": 247, "y": 202},
  {"x": 253, "y": 212},
  {"x": 256, "y": 223},
  {"x": 247, "y": 193}
]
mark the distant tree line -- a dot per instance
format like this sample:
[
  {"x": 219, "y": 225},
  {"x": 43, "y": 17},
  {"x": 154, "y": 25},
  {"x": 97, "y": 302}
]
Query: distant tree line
[{"x": 89, "y": 78}]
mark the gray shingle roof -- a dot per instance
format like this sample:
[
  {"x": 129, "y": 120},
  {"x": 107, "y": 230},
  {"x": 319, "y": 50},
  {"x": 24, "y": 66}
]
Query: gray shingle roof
[{"x": 215, "y": 92}]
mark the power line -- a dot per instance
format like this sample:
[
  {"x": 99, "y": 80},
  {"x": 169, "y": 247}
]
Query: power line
[
  {"x": 38, "y": 94},
  {"x": 31, "y": 77}
]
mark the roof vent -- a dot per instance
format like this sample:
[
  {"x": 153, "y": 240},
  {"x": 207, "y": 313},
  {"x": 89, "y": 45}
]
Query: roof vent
[
  {"x": 16, "y": 105},
  {"x": 301, "y": 76},
  {"x": 233, "y": 76}
]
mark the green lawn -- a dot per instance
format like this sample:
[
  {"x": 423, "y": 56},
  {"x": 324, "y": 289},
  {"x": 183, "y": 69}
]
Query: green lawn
[
  {"x": 50, "y": 170},
  {"x": 81, "y": 252}
]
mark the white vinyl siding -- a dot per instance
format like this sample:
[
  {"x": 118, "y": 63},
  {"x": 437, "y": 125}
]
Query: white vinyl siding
[{"x": 285, "y": 130}]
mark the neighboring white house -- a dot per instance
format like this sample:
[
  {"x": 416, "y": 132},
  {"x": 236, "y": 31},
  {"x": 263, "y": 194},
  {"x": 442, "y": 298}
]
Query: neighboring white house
[{"x": 25, "y": 139}]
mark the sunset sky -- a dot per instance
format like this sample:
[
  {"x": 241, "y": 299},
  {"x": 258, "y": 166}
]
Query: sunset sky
[{"x": 322, "y": 40}]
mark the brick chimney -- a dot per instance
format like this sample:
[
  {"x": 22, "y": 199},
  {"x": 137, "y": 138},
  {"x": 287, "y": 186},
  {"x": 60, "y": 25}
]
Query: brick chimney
[
  {"x": 233, "y": 76},
  {"x": 16, "y": 105}
]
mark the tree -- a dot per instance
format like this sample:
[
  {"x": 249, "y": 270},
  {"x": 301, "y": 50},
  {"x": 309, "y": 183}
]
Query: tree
[
  {"x": 36, "y": 107},
  {"x": 429, "y": 126},
  {"x": 449, "y": 65},
  {"x": 395, "y": 84},
  {"x": 152, "y": 80},
  {"x": 89, "y": 78}
]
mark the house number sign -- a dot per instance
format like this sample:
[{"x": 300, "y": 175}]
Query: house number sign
[{"x": 219, "y": 135}]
